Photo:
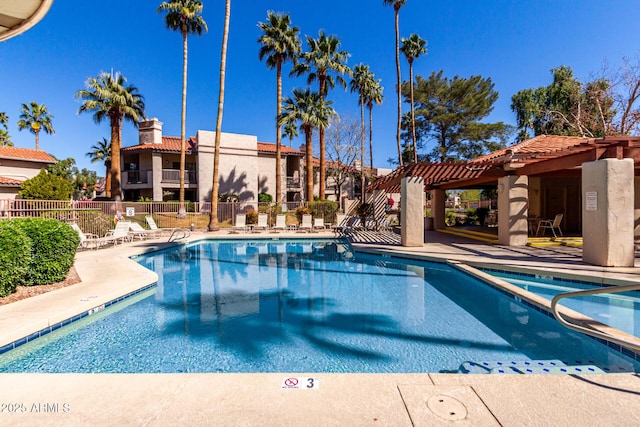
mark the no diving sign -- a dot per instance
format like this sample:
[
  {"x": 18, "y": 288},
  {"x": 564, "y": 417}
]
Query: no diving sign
[{"x": 300, "y": 383}]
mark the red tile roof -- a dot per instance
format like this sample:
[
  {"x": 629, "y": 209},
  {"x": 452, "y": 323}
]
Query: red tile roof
[
  {"x": 540, "y": 145},
  {"x": 9, "y": 182},
  {"x": 268, "y": 147},
  {"x": 27, "y": 154},
  {"x": 170, "y": 144}
]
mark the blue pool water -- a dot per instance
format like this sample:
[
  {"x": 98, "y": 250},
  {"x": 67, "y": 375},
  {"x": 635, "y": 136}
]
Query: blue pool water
[
  {"x": 620, "y": 310},
  {"x": 307, "y": 306}
]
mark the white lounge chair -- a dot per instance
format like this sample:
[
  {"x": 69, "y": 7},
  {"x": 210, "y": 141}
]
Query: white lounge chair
[
  {"x": 136, "y": 230},
  {"x": 281, "y": 223},
  {"x": 318, "y": 224},
  {"x": 549, "y": 224},
  {"x": 120, "y": 234},
  {"x": 152, "y": 226},
  {"x": 89, "y": 240},
  {"x": 240, "y": 224},
  {"x": 306, "y": 223},
  {"x": 263, "y": 223}
]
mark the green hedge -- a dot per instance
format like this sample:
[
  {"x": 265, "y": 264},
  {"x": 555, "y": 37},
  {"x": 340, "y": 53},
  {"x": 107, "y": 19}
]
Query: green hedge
[
  {"x": 15, "y": 253},
  {"x": 53, "y": 248}
]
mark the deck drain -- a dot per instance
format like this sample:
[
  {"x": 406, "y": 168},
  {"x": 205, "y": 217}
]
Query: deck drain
[{"x": 447, "y": 407}]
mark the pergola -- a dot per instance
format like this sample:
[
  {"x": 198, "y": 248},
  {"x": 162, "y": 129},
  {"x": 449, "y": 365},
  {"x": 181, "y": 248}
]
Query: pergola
[
  {"x": 17, "y": 16},
  {"x": 543, "y": 175}
]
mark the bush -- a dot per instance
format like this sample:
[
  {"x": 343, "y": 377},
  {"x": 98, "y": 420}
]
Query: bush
[
  {"x": 53, "y": 248},
  {"x": 324, "y": 208},
  {"x": 15, "y": 254},
  {"x": 265, "y": 198},
  {"x": 46, "y": 186},
  {"x": 302, "y": 210},
  {"x": 450, "y": 217},
  {"x": 472, "y": 216},
  {"x": 252, "y": 216}
]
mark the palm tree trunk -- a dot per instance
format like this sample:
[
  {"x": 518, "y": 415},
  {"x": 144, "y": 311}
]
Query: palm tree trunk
[
  {"x": 371, "y": 136},
  {"x": 181, "y": 210},
  {"x": 323, "y": 88},
  {"x": 399, "y": 85},
  {"x": 213, "y": 216},
  {"x": 107, "y": 179},
  {"x": 278, "y": 135},
  {"x": 37, "y": 140},
  {"x": 116, "y": 131},
  {"x": 362, "y": 199},
  {"x": 413, "y": 116},
  {"x": 309, "y": 164}
]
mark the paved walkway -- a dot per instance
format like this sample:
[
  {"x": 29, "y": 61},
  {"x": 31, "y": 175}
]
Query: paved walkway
[{"x": 340, "y": 399}]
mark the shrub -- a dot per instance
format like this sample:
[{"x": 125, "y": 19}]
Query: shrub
[
  {"x": 46, "y": 186},
  {"x": 450, "y": 217},
  {"x": 15, "y": 254},
  {"x": 324, "y": 208},
  {"x": 264, "y": 198},
  {"x": 252, "y": 216},
  {"x": 302, "y": 210},
  {"x": 53, "y": 248},
  {"x": 472, "y": 216}
]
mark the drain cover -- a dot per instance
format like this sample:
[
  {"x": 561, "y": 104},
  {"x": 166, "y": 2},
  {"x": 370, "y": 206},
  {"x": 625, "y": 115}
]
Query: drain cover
[{"x": 447, "y": 407}]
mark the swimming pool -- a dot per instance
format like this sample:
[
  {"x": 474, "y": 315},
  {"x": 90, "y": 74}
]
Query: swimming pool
[
  {"x": 309, "y": 306},
  {"x": 620, "y": 310}
]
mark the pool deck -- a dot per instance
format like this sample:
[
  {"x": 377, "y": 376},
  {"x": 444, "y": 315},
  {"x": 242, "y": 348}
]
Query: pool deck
[{"x": 340, "y": 399}]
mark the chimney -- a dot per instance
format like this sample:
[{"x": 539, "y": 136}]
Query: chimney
[{"x": 150, "y": 131}]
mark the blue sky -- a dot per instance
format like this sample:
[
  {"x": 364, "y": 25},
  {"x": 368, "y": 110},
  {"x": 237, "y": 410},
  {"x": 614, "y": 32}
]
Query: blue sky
[{"x": 515, "y": 43}]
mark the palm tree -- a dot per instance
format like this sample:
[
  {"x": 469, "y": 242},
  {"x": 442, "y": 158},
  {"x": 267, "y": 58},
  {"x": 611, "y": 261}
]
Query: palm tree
[
  {"x": 101, "y": 152},
  {"x": 397, "y": 4},
  {"x": 412, "y": 48},
  {"x": 183, "y": 16},
  {"x": 35, "y": 117},
  {"x": 323, "y": 58},
  {"x": 280, "y": 43},
  {"x": 213, "y": 216},
  {"x": 361, "y": 81},
  {"x": 312, "y": 111},
  {"x": 373, "y": 95},
  {"x": 5, "y": 138},
  {"x": 109, "y": 97},
  {"x": 290, "y": 131}
]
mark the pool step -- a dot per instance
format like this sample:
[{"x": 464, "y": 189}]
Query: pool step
[{"x": 527, "y": 367}]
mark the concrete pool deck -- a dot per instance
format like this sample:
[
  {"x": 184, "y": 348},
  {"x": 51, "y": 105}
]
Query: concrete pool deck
[{"x": 340, "y": 399}]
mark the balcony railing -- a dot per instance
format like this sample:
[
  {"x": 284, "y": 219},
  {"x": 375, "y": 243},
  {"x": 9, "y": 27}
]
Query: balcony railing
[
  {"x": 293, "y": 182},
  {"x": 173, "y": 175},
  {"x": 137, "y": 177}
]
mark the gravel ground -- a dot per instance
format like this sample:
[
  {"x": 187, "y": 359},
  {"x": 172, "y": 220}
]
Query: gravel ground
[{"x": 29, "y": 291}]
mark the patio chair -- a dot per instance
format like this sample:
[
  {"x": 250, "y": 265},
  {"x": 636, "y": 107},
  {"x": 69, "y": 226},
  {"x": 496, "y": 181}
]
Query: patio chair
[
  {"x": 550, "y": 224},
  {"x": 120, "y": 234},
  {"x": 281, "y": 223},
  {"x": 136, "y": 230},
  {"x": 306, "y": 223},
  {"x": 318, "y": 224},
  {"x": 240, "y": 224},
  {"x": 88, "y": 240},
  {"x": 263, "y": 223},
  {"x": 152, "y": 226}
]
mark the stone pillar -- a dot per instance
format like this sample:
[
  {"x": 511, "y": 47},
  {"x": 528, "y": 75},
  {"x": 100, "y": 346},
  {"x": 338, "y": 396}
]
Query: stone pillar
[
  {"x": 636, "y": 209},
  {"x": 156, "y": 176},
  {"x": 412, "y": 212},
  {"x": 513, "y": 193},
  {"x": 438, "y": 199},
  {"x": 608, "y": 212}
]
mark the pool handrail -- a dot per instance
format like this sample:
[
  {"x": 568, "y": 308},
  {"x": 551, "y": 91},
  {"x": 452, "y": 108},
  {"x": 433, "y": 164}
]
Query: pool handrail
[
  {"x": 592, "y": 332},
  {"x": 179, "y": 234}
]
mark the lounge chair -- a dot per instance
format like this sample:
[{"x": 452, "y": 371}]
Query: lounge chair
[
  {"x": 241, "y": 223},
  {"x": 88, "y": 240},
  {"x": 550, "y": 224},
  {"x": 263, "y": 223},
  {"x": 306, "y": 223},
  {"x": 318, "y": 224},
  {"x": 281, "y": 223},
  {"x": 136, "y": 230},
  {"x": 152, "y": 226},
  {"x": 120, "y": 234}
]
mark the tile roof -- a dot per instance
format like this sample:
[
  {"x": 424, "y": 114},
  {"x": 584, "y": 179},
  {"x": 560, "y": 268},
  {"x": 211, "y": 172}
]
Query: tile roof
[
  {"x": 268, "y": 147},
  {"x": 28, "y": 154},
  {"x": 540, "y": 145},
  {"x": 9, "y": 182},
  {"x": 170, "y": 144}
]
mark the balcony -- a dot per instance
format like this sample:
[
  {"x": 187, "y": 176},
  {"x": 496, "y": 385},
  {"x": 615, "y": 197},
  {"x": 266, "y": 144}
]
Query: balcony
[
  {"x": 173, "y": 175},
  {"x": 293, "y": 182},
  {"x": 137, "y": 177}
]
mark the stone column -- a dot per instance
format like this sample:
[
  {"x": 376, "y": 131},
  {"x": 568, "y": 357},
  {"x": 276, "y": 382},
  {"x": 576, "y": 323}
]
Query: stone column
[
  {"x": 412, "y": 212},
  {"x": 438, "y": 199},
  {"x": 608, "y": 212},
  {"x": 156, "y": 176},
  {"x": 513, "y": 193}
]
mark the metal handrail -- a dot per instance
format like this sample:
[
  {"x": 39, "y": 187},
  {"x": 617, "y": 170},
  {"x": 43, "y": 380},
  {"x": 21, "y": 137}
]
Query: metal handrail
[
  {"x": 592, "y": 332},
  {"x": 179, "y": 234}
]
